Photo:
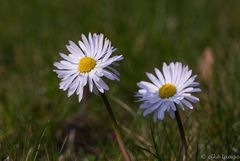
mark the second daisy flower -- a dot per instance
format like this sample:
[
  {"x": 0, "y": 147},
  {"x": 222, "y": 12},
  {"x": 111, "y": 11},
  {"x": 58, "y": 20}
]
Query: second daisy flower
[{"x": 173, "y": 86}]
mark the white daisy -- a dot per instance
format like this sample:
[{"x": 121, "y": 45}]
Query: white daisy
[
  {"x": 174, "y": 86},
  {"x": 87, "y": 64}
]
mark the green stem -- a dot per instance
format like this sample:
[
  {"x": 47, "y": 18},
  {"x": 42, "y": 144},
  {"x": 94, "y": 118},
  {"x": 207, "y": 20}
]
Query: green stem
[
  {"x": 115, "y": 128},
  {"x": 182, "y": 134}
]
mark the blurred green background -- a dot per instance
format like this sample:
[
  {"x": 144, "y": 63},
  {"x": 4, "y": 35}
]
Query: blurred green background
[{"x": 39, "y": 122}]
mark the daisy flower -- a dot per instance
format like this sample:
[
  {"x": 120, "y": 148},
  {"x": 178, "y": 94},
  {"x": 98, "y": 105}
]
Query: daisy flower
[
  {"x": 169, "y": 88},
  {"x": 86, "y": 64}
]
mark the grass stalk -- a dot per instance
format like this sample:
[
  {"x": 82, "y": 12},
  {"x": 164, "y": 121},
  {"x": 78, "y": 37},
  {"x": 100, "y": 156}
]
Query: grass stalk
[
  {"x": 182, "y": 134},
  {"x": 116, "y": 128}
]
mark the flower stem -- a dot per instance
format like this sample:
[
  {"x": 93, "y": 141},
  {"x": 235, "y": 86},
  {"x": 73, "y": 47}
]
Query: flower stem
[
  {"x": 182, "y": 134},
  {"x": 115, "y": 128}
]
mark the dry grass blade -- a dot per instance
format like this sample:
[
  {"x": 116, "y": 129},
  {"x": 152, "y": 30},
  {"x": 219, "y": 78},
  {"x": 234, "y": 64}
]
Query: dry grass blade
[
  {"x": 124, "y": 105},
  {"x": 138, "y": 137},
  {"x": 45, "y": 147},
  {"x": 205, "y": 64},
  {"x": 28, "y": 154},
  {"x": 70, "y": 144},
  {"x": 61, "y": 158}
]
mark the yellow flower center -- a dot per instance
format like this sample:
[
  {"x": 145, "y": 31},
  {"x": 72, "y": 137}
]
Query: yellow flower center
[
  {"x": 167, "y": 90},
  {"x": 86, "y": 64}
]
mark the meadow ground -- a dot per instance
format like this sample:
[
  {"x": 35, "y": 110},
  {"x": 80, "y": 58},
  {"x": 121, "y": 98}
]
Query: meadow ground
[{"x": 39, "y": 122}]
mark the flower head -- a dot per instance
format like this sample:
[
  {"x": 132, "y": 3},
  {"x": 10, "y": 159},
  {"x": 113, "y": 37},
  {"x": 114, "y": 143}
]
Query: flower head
[
  {"x": 87, "y": 64},
  {"x": 173, "y": 86}
]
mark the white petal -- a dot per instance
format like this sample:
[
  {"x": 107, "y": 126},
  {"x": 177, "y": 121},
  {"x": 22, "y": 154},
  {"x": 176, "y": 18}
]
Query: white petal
[
  {"x": 100, "y": 89},
  {"x": 145, "y": 85},
  {"x": 186, "y": 103},
  {"x": 100, "y": 45},
  {"x": 73, "y": 86},
  {"x": 179, "y": 73},
  {"x": 194, "y": 84},
  {"x": 106, "y": 43},
  {"x": 65, "y": 66},
  {"x": 80, "y": 93},
  {"x": 186, "y": 83},
  {"x": 196, "y": 90},
  {"x": 110, "y": 75},
  {"x": 172, "y": 72},
  {"x": 86, "y": 44},
  {"x": 83, "y": 47},
  {"x": 151, "y": 109},
  {"x": 181, "y": 105},
  {"x": 173, "y": 107},
  {"x": 153, "y": 79},
  {"x": 66, "y": 83},
  {"x": 109, "y": 61},
  {"x": 90, "y": 83},
  {"x": 162, "y": 110},
  {"x": 95, "y": 90},
  {"x": 75, "y": 49},
  {"x": 186, "y": 90},
  {"x": 185, "y": 77},
  {"x": 192, "y": 98},
  {"x": 70, "y": 59},
  {"x": 83, "y": 81},
  {"x": 166, "y": 73},
  {"x": 160, "y": 76},
  {"x": 65, "y": 73},
  {"x": 172, "y": 114},
  {"x": 114, "y": 71},
  {"x": 144, "y": 105},
  {"x": 103, "y": 84},
  {"x": 96, "y": 43}
]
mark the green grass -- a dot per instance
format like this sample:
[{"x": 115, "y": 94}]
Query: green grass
[{"x": 39, "y": 122}]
